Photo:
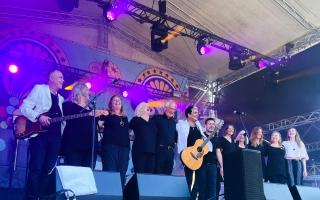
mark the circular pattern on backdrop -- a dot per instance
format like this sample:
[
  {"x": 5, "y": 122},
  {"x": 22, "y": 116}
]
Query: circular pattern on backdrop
[
  {"x": 20, "y": 43},
  {"x": 33, "y": 44},
  {"x": 158, "y": 79}
]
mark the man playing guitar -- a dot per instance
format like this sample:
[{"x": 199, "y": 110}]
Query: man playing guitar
[{"x": 44, "y": 148}]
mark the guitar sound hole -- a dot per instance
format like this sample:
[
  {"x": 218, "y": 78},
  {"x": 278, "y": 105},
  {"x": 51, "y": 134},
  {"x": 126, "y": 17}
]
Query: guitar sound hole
[{"x": 199, "y": 149}]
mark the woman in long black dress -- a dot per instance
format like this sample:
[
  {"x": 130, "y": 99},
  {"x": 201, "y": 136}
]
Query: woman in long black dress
[
  {"x": 276, "y": 165},
  {"x": 144, "y": 144},
  {"x": 226, "y": 145},
  {"x": 257, "y": 143}
]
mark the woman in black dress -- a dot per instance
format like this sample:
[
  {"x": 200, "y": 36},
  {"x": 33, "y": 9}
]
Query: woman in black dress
[
  {"x": 144, "y": 145},
  {"x": 77, "y": 137},
  {"x": 241, "y": 140},
  {"x": 276, "y": 165},
  {"x": 257, "y": 143},
  {"x": 115, "y": 145},
  {"x": 226, "y": 145}
]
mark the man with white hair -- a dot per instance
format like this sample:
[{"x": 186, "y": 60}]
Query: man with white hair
[
  {"x": 44, "y": 148},
  {"x": 166, "y": 138}
]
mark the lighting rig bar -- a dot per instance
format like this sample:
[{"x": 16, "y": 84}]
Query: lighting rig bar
[
  {"x": 144, "y": 14},
  {"x": 78, "y": 74}
]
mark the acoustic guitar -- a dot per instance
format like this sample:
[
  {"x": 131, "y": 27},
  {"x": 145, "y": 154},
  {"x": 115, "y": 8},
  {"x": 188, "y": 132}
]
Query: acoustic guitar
[
  {"x": 192, "y": 156},
  {"x": 24, "y": 128}
]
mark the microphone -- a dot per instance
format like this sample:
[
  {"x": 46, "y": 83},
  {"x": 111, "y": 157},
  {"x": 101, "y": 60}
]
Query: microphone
[{"x": 236, "y": 112}]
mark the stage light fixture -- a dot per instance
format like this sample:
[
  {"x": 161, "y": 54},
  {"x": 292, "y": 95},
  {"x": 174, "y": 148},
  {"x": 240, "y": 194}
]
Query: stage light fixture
[
  {"x": 202, "y": 47},
  {"x": 158, "y": 34},
  {"x": 108, "y": 12},
  {"x": 237, "y": 58}
]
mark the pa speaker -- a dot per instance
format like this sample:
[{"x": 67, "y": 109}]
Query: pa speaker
[
  {"x": 305, "y": 193},
  {"x": 243, "y": 175},
  {"x": 274, "y": 191},
  {"x": 156, "y": 187},
  {"x": 108, "y": 186}
]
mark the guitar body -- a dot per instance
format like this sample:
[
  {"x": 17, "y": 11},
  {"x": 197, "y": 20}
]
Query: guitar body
[
  {"x": 24, "y": 128},
  {"x": 191, "y": 157}
]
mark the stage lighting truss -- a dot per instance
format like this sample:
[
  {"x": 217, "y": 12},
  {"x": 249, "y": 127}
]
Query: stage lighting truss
[{"x": 144, "y": 14}]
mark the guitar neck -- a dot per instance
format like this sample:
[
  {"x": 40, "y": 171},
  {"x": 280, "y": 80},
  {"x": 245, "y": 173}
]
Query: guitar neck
[
  {"x": 60, "y": 119},
  {"x": 207, "y": 139}
]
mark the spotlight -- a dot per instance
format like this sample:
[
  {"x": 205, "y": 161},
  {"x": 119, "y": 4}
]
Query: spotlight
[
  {"x": 89, "y": 85},
  {"x": 261, "y": 64},
  {"x": 109, "y": 12},
  {"x": 125, "y": 94},
  {"x": 13, "y": 68},
  {"x": 158, "y": 34},
  {"x": 236, "y": 58},
  {"x": 202, "y": 47}
]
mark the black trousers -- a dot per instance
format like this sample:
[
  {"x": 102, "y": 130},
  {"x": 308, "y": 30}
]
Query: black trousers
[
  {"x": 115, "y": 158},
  {"x": 144, "y": 162},
  {"x": 164, "y": 160},
  {"x": 80, "y": 158},
  {"x": 44, "y": 151},
  {"x": 196, "y": 183}
]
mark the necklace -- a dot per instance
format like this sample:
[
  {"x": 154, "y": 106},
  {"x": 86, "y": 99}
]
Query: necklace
[{"x": 121, "y": 122}]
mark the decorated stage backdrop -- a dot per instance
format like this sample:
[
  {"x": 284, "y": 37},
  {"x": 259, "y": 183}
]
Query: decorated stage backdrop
[{"x": 34, "y": 54}]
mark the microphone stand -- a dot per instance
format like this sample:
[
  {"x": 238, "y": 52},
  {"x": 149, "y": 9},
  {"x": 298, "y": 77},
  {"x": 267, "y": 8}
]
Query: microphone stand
[
  {"x": 93, "y": 103},
  {"x": 244, "y": 126}
]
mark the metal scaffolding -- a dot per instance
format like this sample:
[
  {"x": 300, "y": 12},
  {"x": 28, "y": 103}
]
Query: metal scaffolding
[{"x": 299, "y": 120}]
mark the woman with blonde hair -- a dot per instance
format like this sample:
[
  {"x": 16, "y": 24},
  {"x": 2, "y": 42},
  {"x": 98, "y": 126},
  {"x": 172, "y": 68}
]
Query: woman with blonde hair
[
  {"x": 296, "y": 157},
  {"x": 276, "y": 167},
  {"x": 257, "y": 143},
  {"x": 144, "y": 145}
]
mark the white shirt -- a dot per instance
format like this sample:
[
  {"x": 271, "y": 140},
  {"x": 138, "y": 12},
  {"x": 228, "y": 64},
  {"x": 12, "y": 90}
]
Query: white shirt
[
  {"x": 38, "y": 102},
  {"x": 183, "y": 129},
  {"x": 294, "y": 151}
]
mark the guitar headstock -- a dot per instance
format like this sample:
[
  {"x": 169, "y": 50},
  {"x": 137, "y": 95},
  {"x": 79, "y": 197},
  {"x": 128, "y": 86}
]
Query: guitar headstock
[{"x": 218, "y": 124}]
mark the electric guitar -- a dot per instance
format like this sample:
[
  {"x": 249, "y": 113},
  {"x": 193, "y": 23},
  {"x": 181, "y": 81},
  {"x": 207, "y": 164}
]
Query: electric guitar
[
  {"x": 24, "y": 128},
  {"x": 192, "y": 156}
]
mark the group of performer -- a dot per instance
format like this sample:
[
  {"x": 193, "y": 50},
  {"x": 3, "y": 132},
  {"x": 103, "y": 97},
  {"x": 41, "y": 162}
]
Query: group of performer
[{"x": 154, "y": 141}]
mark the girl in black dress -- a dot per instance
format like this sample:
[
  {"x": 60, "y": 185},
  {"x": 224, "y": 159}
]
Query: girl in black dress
[
  {"x": 257, "y": 143},
  {"x": 276, "y": 165}
]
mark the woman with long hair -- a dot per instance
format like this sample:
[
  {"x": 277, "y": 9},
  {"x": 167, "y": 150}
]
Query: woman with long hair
[
  {"x": 257, "y": 143},
  {"x": 77, "y": 136},
  {"x": 296, "y": 157},
  {"x": 115, "y": 141},
  {"x": 276, "y": 167},
  {"x": 226, "y": 145}
]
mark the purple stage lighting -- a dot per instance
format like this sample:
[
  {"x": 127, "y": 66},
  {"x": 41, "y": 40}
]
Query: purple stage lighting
[
  {"x": 110, "y": 15},
  {"x": 262, "y": 64},
  {"x": 88, "y": 84},
  {"x": 125, "y": 94},
  {"x": 204, "y": 50},
  {"x": 13, "y": 68}
]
